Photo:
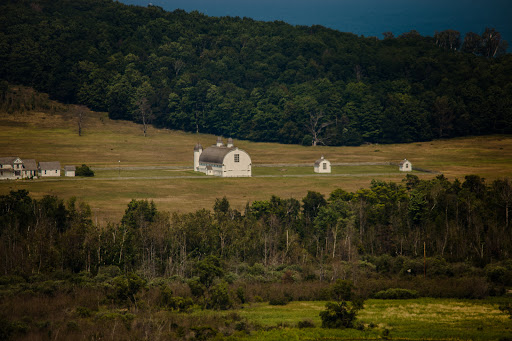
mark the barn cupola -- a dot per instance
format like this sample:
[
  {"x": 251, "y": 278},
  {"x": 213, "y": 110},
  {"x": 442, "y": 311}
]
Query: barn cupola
[
  {"x": 219, "y": 142},
  {"x": 230, "y": 143}
]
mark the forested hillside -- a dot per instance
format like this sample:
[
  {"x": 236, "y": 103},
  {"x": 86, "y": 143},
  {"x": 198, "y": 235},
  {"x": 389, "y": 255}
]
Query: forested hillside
[{"x": 263, "y": 81}]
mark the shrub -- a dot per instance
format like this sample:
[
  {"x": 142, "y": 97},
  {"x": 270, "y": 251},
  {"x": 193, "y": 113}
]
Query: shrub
[
  {"x": 278, "y": 300},
  {"x": 84, "y": 170},
  {"x": 305, "y": 324},
  {"x": 396, "y": 294},
  {"x": 219, "y": 297},
  {"x": 338, "y": 315}
]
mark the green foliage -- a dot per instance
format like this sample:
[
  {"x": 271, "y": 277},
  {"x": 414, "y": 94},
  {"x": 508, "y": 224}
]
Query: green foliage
[
  {"x": 396, "y": 294},
  {"x": 126, "y": 287},
  {"x": 219, "y": 297},
  {"x": 338, "y": 315},
  {"x": 341, "y": 290},
  {"x": 84, "y": 170},
  {"x": 214, "y": 75}
]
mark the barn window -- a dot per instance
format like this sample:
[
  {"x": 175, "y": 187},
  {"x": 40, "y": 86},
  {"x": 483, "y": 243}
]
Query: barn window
[
  {"x": 325, "y": 165},
  {"x": 237, "y": 157}
]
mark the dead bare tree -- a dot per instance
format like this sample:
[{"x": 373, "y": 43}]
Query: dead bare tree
[
  {"x": 80, "y": 113},
  {"x": 315, "y": 126},
  {"x": 144, "y": 111}
]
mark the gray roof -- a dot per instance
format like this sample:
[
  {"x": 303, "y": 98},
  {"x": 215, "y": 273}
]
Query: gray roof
[
  {"x": 404, "y": 161},
  {"x": 317, "y": 162},
  {"x": 49, "y": 165},
  {"x": 214, "y": 154},
  {"x": 7, "y": 160},
  {"x": 29, "y": 164},
  {"x": 70, "y": 168}
]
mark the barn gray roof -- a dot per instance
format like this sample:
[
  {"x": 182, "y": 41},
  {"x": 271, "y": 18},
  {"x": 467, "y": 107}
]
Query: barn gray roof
[
  {"x": 214, "y": 154},
  {"x": 404, "y": 161},
  {"x": 70, "y": 168},
  {"x": 29, "y": 164},
  {"x": 49, "y": 165}
]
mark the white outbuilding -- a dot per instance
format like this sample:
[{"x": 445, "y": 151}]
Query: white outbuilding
[
  {"x": 322, "y": 165},
  {"x": 222, "y": 160},
  {"x": 405, "y": 166},
  {"x": 49, "y": 168},
  {"x": 69, "y": 171}
]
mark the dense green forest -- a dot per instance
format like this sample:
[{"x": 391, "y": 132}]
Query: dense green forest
[
  {"x": 385, "y": 224},
  {"x": 263, "y": 81}
]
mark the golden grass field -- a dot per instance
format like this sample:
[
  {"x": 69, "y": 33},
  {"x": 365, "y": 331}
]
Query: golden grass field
[{"x": 54, "y": 137}]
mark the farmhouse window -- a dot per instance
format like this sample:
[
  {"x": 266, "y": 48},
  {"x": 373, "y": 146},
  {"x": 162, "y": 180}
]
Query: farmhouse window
[{"x": 237, "y": 157}]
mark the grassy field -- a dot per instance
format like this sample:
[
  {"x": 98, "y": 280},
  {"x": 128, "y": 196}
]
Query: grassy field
[
  {"x": 49, "y": 137},
  {"x": 419, "y": 319}
]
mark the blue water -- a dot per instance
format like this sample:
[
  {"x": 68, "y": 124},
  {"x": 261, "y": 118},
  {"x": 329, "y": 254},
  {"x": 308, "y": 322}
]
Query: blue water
[{"x": 362, "y": 17}]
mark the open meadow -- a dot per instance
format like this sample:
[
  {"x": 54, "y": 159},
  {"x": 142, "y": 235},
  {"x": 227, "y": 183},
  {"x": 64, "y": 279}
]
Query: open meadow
[{"x": 159, "y": 167}]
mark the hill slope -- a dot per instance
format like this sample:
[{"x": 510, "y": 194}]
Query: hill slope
[{"x": 48, "y": 135}]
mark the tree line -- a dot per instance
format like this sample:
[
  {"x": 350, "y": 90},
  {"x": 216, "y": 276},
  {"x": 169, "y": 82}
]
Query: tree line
[
  {"x": 262, "y": 81},
  {"x": 455, "y": 221}
]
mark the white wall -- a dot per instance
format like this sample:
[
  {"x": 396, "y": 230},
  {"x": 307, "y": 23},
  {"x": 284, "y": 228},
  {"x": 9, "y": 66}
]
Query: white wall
[{"x": 243, "y": 168}]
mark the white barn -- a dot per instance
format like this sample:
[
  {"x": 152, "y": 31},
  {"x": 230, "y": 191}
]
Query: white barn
[
  {"x": 49, "y": 168},
  {"x": 405, "y": 166},
  {"x": 322, "y": 165},
  {"x": 222, "y": 160}
]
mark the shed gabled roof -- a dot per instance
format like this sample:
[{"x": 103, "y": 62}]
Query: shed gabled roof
[
  {"x": 317, "y": 162},
  {"x": 49, "y": 165},
  {"x": 214, "y": 154},
  {"x": 70, "y": 168}
]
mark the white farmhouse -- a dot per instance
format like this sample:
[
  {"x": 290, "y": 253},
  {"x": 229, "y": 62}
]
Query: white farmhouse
[
  {"x": 322, "y": 165},
  {"x": 222, "y": 160},
  {"x": 405, "y": 166},
  {"x": 11, "y": 167},
  {"x": 29, "y": 169},
  {"x": 69, "y": 171},
  {"x": 49, "y": 168}
]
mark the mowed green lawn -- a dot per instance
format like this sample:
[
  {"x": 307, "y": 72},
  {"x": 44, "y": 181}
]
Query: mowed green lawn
[
  {"x": 418, "y": 319},
  {"x": 113, "y": 148}
]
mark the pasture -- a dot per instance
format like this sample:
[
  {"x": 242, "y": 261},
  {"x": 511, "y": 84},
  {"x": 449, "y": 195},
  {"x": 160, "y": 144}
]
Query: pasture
[
  {"x": 416, "y": 319},
  {"x": 159, "y": 167}
]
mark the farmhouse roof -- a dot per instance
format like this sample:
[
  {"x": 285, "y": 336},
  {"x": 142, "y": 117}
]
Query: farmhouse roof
[
  {"x": 215, "y": 154},
  {"x": 29, "y": 164},
  {"x": 51, "y": 165},
  {"x": 70, "y": 168},
  {"x": 9, "y": 160}
]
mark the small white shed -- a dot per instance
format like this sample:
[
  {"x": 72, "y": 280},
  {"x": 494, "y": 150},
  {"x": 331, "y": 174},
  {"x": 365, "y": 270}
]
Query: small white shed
[
  {"x": 69, "y": 170},
  {"x": 405, "y": 166},
  {"x": 322, "y": 165}
]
